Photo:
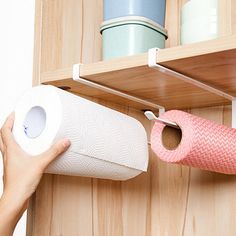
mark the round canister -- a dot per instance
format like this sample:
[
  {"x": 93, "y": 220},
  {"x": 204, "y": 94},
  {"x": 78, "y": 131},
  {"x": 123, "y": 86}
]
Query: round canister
[
  {"x": 131, "y": 35},
  {"x": 152, "y": 9}
]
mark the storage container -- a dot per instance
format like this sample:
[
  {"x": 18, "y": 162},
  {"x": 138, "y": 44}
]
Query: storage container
[
  {"x": 152, "y": 9},
  {"x": 131, "y": 35},
  {"x": 199, "y": 21}
]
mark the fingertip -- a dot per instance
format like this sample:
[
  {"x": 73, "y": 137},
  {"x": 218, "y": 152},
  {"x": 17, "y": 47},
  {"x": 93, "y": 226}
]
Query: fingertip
[
  {"x": 6, "y": 130},
  {"x": 60, "y": 146},
  {"x": 12, "y": 115},
  {"x": 9, "y": 121},
  {"x": 66, "y": 143},
  {"x": 11, "y": 118},
  {"x": 54, "y": 151}
]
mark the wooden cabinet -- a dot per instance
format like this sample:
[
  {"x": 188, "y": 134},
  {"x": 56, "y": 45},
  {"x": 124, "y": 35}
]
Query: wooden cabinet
[{"x": 169, "y": 200}]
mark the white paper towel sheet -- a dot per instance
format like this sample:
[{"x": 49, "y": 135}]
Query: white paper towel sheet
[{"x": 104, "y": 143}]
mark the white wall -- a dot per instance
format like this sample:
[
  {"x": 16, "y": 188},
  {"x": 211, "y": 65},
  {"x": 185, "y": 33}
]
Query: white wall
[{"x": 16, "y": 60}]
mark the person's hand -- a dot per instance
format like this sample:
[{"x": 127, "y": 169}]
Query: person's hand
[{"x": 22, "y": 174}]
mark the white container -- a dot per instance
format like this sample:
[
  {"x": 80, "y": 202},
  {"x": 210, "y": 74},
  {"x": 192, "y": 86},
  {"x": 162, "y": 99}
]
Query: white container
[{"x": 199, "y": 21}]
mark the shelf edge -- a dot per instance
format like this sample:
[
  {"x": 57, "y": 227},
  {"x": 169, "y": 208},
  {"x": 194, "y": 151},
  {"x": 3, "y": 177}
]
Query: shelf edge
[{"x": 197, "y": 49}]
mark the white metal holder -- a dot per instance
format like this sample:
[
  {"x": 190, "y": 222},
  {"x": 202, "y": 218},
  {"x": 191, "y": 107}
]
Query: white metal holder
[
  {"x": 151, "y": 116},
  {"x": 76, "y": 77},
  {"x": 152, "y": 63},
  {"x": 152, "y": 59}
]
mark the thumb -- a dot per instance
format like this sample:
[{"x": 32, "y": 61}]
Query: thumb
[{"x": 54, "y": 151}]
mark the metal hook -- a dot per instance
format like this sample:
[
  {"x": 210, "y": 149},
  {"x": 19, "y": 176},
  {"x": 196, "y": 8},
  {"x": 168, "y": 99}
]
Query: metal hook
[{"x": 150, "y": 115}]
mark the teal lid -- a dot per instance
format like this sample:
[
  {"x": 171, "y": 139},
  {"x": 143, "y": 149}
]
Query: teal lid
[{"x": 127, "y": 20}]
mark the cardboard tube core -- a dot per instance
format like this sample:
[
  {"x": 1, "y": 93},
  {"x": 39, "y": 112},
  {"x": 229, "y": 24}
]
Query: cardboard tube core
[{"x": 171, "y": 137}]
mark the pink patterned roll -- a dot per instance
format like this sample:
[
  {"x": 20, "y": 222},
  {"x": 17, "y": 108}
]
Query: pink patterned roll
[{"x": 199, "y": 143}]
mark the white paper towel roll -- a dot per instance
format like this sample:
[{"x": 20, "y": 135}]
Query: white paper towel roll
[{"x": 104, "y": 143}]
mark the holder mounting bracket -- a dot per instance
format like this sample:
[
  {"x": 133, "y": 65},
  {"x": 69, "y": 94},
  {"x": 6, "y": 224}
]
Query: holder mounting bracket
[{"x": 152, "y": 63}]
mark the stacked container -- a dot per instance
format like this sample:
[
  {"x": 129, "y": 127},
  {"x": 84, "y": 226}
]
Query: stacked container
[
  {"x": 199, "y": 21},
  {"x": 132, "y": 27}
]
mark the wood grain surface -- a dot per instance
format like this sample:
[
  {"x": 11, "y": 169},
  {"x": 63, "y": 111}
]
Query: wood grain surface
[{"x": 168, "y": 200}]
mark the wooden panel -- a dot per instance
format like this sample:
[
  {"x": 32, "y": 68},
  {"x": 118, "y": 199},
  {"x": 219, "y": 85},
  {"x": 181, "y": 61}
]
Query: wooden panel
[
  {"x": 59, "y": 198},
  {"x": 172, "y": 23},
  {"x": 224, "y": 19},
  {"x": 233, "y": 16},
  {"x": 168, "y": 199},
  {"x": 37, "y": 42}
]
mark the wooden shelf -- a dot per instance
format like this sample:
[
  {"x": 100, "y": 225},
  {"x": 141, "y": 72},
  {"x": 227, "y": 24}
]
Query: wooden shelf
[{"x": 212, "y": 62}]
